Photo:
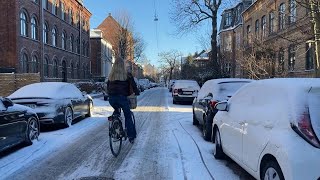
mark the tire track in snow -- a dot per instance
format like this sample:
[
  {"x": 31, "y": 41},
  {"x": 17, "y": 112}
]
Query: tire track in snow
[
  {"x": 181, "y": 155},
  {"x": 198, "y": 151}
]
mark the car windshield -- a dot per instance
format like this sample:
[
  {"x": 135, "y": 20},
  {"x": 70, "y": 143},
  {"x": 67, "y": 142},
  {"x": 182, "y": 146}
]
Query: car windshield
[{"x": 186, "y": 84}]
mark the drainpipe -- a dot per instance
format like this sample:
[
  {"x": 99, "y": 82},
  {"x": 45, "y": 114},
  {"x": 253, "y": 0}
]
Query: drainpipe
[{"x": 41, "y": 41}]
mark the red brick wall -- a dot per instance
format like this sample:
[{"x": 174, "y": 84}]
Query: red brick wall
[
  {"x": 8, "y": 30},
  {"x": 95, "y": 56}
]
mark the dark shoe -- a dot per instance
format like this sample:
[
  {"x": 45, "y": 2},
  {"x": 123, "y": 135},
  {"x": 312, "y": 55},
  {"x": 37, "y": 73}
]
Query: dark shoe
[{"x": 131, "y": 140}]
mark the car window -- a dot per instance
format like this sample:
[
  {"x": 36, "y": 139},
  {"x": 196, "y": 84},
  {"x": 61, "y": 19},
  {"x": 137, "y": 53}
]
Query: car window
[
  {"x": 71, "y": 91},
  {"x": 204, "y": 91},
  {"x": 228, "y": 89}
]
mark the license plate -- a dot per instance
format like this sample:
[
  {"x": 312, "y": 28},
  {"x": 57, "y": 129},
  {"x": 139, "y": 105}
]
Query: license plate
[
  {"x": 189, "y": 93},
  {"x": 33, "y": 106}
]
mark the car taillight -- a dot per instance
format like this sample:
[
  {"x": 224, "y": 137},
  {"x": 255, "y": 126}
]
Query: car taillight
[
  {"x": 304, "y": 129},
  {"x": 213, "y": 103}
]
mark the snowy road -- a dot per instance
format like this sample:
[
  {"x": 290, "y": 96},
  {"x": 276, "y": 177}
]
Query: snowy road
[{"x": 168, "y": 147}]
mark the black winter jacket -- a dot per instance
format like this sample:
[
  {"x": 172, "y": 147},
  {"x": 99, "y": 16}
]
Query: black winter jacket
[{"x": 122, "y": 87}]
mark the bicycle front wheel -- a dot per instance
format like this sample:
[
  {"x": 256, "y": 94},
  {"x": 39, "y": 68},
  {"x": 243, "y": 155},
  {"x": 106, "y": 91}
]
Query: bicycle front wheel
[{"x": 115, "y": 137}]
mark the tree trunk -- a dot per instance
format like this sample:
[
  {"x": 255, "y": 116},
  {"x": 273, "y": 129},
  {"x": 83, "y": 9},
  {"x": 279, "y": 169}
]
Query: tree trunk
[
  {"x": 315, "y": 15},
  {"x": 214, "y": 58}
]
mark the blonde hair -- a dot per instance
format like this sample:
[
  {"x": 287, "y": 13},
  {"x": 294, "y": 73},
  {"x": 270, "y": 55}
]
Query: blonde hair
[{"x": 118, "y": 71}]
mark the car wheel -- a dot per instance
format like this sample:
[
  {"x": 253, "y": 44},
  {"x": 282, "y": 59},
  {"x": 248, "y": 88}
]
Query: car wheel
[
  {"x": 218, "y": 152},
  {"x": 33, "y": 131},
  {"x": 272, "y": 171},
  {"x": 90, "y": 109},
  {"x": 207, "y": 127},
  {"x": 68, "y": 116},
  {"x": 195, "y": 121}
]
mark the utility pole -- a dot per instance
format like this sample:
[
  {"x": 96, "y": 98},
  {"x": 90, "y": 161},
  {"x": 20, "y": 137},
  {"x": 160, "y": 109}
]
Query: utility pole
[{"x": 315, "y": 15}]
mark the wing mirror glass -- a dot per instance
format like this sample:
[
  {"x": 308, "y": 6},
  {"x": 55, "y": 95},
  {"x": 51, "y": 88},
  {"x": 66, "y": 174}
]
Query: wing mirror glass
[
  {"x": 7, "y": 102},
  {"x": 222, "y": 106}
]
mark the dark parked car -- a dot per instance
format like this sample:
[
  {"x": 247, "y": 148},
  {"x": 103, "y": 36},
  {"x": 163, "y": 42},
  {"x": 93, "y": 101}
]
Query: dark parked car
[
  {"x": 54, "y": 102},
  {"x": 212, "y": 92},
  {"x": 18, "y": 124}
]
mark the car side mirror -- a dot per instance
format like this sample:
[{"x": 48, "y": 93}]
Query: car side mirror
[
  {"x": 222, "y": 106},
  {"x": 7, "y": 102}
]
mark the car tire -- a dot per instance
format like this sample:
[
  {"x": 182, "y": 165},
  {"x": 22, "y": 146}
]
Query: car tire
[
  {"x": 194, "y": 120},
  {"x": 33, "y": 131},
  {"x": 218, "y": 151},
  {"x": 90, "y": 109},
  {"x": 271, "y": 168},
  {"x": 207, "y": 127},
  {"x": 68, "y": 116},
  {"x": 105, "y": 97}
]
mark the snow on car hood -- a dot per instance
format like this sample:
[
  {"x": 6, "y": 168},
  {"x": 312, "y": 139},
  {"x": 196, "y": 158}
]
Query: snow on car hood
[{"x": 53, "y": 90}]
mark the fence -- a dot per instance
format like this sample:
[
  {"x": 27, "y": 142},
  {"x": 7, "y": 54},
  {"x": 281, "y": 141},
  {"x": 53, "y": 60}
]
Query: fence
[{"x": 10, "y": 82}]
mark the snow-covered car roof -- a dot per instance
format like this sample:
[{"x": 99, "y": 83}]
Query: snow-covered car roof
[
  {"x": 228, "y": 85},
  {"x": 52, "y": 90}
]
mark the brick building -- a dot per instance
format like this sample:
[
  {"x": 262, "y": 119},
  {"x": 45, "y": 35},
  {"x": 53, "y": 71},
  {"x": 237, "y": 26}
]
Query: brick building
[
  {"x": 284, "y": 28},
  {"x": 46, "y": 36},
  {"x": 113, "y": 32},
  {"x": 102, "y": 55},
  {"x": 230, "y": 38}
]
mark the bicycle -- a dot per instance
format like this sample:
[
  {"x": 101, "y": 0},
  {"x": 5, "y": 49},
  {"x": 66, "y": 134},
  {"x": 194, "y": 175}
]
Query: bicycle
[{"x": 116, "y": 133}]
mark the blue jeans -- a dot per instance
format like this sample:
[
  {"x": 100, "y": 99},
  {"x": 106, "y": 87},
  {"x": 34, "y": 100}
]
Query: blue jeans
[{"x": 119, "y": 101}]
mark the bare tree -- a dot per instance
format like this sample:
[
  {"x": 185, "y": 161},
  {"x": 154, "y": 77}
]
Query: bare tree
[
  {"x": 170, "y": 62},
  {"x": 139, "y": 46},
  {"x": 189, "y": 14}
]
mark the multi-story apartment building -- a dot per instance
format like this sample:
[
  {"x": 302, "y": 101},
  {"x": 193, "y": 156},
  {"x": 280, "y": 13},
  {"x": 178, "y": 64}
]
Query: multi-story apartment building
[
  {"x": 102, "y": 55},
  {"x": 50, "y": 37},
  {"x": 230, "y": 38},
  {"x": 282, "y": 30}
]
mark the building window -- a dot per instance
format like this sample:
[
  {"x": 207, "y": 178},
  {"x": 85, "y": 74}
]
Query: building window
[
  {"x": 292, "y": 57},
  {"x": 84, "y": 71},
  {"x": 55, "y": 68},
  {"x": 54, "y": 7},
  {"x": 45, "y": 4},
  {"x": 309, "y": 56},
  {"x": 257, "y": 28},
  {"x": 54, "y": 37},
  {"x": 249, "y": 34},
  {"x": 271, "y": 23},
  {"x": 292, "y": 11},
  {"x": 24, "y": 63},
  {"x": 34, "y": 65},
  {"x": 228, "y": 68},
  {"x": 23, "y": 24},
  {"x": 71, "y": 43},
  {"x": 34, "y": 29},
  {"x": 228, "y": 19},
  {"x": 281, "y": 60},
  {"x": 78, "y": 71},
  {"x": 46, "y": 67},
  {"x": 63, "y": 40},
  {"x": 78, "y": 46},
  {"x": 72, "y": 70},
  {"x": 83, "y": 48},
  {"x": 45, "y": 33},
  {"x": 282, "y": 16},
  {"x": 70, "y": 16},
  {"x": 264, "y": 26},
  {"x": 63, "y": 17}
]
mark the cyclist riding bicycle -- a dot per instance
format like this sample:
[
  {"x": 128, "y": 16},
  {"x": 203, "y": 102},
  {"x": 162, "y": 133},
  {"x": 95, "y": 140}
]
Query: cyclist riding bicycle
[{"x": 120, "y": 85}]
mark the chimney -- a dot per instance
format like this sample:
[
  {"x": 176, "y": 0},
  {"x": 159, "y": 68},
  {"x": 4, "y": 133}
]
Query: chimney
[{"x": 109, "y": 14}]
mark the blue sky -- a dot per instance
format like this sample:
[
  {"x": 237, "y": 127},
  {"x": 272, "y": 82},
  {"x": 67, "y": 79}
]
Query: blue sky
[{"x": 142, "y": 14}]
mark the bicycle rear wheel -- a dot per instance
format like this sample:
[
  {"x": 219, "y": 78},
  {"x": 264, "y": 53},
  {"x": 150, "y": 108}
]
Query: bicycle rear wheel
[{"x": 115, "y": 136}]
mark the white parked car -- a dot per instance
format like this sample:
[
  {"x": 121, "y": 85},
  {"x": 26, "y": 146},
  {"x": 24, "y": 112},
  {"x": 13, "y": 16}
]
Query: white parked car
[
  {"x": 184, "y": 90},
  {"x": 271, "y": 128}
]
